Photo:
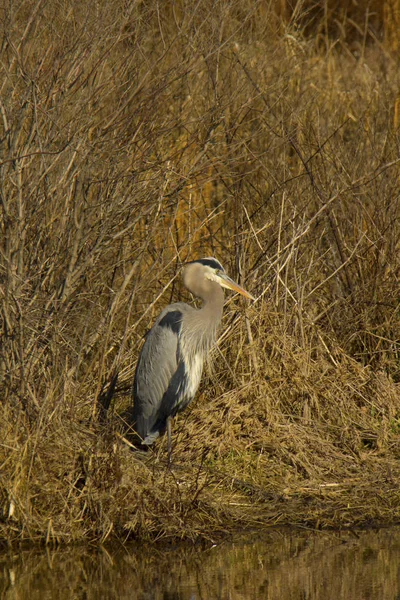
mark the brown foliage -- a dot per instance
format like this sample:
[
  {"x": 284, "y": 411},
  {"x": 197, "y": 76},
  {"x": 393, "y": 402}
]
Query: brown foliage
[{"x": 135, "y": 136}]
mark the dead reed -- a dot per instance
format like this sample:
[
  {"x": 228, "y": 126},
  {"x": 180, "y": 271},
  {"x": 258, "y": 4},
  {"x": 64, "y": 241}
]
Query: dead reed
[{"x": 137, "y": 136}]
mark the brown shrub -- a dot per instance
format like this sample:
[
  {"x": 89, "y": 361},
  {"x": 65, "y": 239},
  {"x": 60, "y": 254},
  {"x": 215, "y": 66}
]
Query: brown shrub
[{"x": 133, "y": 138}]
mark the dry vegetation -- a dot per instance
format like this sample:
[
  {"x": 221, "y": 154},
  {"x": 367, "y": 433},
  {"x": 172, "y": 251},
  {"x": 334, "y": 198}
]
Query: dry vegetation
[{"x": 135, "y": 136}]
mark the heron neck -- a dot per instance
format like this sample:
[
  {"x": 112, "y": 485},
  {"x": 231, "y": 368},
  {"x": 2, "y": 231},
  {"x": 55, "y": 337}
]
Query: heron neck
[
  {"x": 213, "y": 304},
  {"x": 200, "y": 325}
]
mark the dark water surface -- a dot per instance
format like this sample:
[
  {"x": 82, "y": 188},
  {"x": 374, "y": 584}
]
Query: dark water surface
[{"x": 280, "y": 565}]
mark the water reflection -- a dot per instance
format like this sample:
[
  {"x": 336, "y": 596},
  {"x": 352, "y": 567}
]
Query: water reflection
[{"x": 276, "y": 566}]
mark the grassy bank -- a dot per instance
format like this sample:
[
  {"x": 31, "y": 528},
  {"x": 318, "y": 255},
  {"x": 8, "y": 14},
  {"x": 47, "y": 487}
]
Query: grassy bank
[{"x": 135, "y": 138}]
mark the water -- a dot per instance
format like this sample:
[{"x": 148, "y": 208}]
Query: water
[{"x": 281, "y": 565}]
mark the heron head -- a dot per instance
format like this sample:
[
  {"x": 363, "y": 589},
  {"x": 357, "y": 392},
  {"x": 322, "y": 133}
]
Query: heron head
[{"x": 210, "y": 269}]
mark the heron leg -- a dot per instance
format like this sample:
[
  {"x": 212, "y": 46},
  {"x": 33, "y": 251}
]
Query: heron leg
[{"x": 169, "y": 432}]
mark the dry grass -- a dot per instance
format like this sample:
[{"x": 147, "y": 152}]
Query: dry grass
[{"x": 135, "y": 137}]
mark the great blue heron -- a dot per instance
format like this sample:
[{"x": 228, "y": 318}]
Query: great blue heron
[{"x": 170, "y": 364}]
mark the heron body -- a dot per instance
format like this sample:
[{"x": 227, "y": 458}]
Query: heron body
[{"x": 170, "y": 364}]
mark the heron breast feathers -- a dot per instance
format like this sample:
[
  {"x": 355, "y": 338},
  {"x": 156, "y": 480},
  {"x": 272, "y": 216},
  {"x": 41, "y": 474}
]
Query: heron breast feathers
[{"x": 194, "y": 369}]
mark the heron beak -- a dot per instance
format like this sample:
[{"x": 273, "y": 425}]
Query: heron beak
[{"x": 228, "y": 283}]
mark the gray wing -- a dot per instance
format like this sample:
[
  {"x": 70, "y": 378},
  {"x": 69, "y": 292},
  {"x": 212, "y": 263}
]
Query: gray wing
[{"x": 157, "y": 376}]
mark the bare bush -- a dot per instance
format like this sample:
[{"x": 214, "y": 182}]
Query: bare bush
[{"x": 136, "y": 136}]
